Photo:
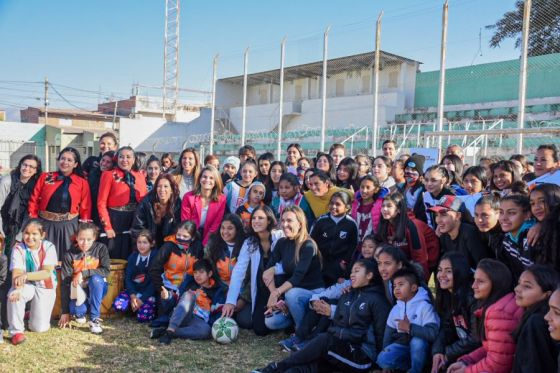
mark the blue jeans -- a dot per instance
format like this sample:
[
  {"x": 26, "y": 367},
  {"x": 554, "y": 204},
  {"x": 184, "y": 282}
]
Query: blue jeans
[
  {"x": 185, "y": 324},
  {"x": 96, "y": 290},
  {"x": 297, "y": 300},
  {"x": 410, "y": 358}
]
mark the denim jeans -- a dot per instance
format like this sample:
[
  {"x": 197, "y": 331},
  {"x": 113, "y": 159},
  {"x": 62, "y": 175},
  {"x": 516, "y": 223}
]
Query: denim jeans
[
  {"x": 411, "y": 358},
  {"x": 96, "y": 290},
  {"x": 297, "y": 300},
  {"x": 185, "y": 324}
]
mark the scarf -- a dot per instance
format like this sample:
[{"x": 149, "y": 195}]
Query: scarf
[
  {"x": 289, "y": 202},
  {"x": 130, "y": 180},
  {"x": 30, "y": 263},
  {"x": 65, "y": 201},
  {"x": 14, "y": 209}
]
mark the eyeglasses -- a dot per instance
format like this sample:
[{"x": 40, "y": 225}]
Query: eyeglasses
[{"x": 27, "y": 165}]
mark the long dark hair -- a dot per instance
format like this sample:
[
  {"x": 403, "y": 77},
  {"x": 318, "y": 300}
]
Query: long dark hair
[
  {"x": 456, "y": 301},
  {"x": 551, "y": 194},
  {"x": 502, "y": 284},
  {"x": 401, "y": 220},
  {"x": 216, "y": 244},
  {"x": 29, "y": 157},
  {"x": 78, "y": 170},
  {"x": 332, "y": 169},
  {"x": 508, "y": 167},
  {"x": 135, "y": 164},
  {"x": 352, "y": 181},
  {"x": 549, "y": 239},
  {"x": 371, "y": 267},
  {"x": 251, "y": 234},
  {"x": 174, "y": 193}
]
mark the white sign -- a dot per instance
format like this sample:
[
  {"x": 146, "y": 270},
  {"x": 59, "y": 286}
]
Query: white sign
[
  {"x": 549, "y": 178},
  {"x": 431, "y": 154}
]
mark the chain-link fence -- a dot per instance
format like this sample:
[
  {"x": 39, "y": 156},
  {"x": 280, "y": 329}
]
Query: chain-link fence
[{"x": 279, "y": 87}]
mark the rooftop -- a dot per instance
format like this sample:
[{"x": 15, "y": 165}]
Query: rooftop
[{"x": 314, "y": 69}]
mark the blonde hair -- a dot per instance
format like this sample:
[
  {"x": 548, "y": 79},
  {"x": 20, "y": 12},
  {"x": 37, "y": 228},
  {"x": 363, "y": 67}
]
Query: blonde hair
[
  {"x": 218, "y": 186},
  {"x": 303, "y": 234}
]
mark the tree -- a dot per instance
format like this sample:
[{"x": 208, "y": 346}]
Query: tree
[{"x": 544, "y": 30}]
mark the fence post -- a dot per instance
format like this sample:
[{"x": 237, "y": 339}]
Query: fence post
[
  {"x": 324, "y": 89},
  {"x": 244, "y": 107},
  {"x": 376, "y": 84},
  {"x": 213, "y": 106},
  {"x": 441, "y": 95},
  {"x": 281, "y": 103},
  {"x": 523, "y": 73}
]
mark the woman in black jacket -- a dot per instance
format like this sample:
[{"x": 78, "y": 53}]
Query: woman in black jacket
[
  {"x": 536, "y": 351},
  {"x": 355, "y": 338},
  {"x": 160, "y": 211},
  {"x": 455, "y": 305}
]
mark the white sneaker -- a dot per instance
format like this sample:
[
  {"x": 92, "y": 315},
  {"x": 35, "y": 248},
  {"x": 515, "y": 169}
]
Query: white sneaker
[
  {"x": 81, "y": 320},
  {"x": 95, "y": 326}
]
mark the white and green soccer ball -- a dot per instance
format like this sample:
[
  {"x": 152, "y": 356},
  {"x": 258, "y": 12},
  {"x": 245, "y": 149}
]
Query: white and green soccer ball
[{"x": 225, "y": 330}]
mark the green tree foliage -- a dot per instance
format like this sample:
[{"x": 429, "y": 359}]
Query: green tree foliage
[{"x": 544, "y": 31}]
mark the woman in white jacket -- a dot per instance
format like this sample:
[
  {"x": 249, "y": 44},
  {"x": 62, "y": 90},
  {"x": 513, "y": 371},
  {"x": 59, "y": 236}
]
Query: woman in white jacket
[{"x": 254, "y": 254}]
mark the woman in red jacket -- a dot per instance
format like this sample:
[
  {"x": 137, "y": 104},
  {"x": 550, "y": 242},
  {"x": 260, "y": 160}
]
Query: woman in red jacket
[
  {"x": 414, "y": 237},
  {"x": 60, "y": 199},
  {"x": 497, "y": 318},
  {"x": 205, "y": 205},
  {"x": 120, "y": 191}
]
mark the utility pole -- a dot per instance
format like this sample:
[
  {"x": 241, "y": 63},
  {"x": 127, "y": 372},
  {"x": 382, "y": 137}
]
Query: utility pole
[
  {"x": 46, "y": 102},
  {"x": 376, "y": 63},
  {"x": 115, "y": 112},
  {"x": 523, "y": 73},
  {"x": 441, "y": 93}
]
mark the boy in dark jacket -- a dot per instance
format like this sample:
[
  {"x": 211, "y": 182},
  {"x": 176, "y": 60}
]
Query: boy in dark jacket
[
  {"x": 196, "y": 306},
  {"x": 85, "y": 266}
]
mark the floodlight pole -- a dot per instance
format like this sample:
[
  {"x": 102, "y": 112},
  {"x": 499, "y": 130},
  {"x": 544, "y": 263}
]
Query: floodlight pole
[
  {"x": 441, "y": 94},
  {"x": 281, "y": 103},
  {"x": 324, "y": 89},
  {"x": 244, "y": 108},
  {"x": 376, "y": 64},
  {"x": 523, "y": 73},
  {"x": 213, "y": 105}
]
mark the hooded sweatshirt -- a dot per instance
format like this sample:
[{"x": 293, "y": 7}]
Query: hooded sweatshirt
[{"x": 422, "y": 316}]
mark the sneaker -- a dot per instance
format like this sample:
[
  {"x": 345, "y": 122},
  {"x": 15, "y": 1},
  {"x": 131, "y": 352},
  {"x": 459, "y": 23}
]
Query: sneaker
[
  {"x": 80, "y": 320},
  {"x": 165, "y": 339},
  {"x": 289, "y": 343},
  {"x": 95, "y": 326},
  {"x": 270, "y": 368},
  {"x": 156, "y": 333},
  {"x": 18, "y": 338}
]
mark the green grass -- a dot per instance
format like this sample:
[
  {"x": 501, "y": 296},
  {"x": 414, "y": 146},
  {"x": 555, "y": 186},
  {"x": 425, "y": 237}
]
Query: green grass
[{"x": 125, "y": 346}]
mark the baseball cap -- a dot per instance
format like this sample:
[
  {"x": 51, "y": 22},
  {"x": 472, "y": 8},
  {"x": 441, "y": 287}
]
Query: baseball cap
[{"x": 447, "y": 203}]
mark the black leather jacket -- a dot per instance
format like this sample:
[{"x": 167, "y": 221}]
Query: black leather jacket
[{"x": 144, "y": 218}]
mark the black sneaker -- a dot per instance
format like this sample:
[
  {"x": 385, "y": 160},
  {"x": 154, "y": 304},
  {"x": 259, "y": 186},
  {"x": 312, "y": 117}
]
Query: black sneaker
[
  {"x": 270, "y": 368},
  {"x": 165, "y": 339},
  {"x": 156, "y": 333}
]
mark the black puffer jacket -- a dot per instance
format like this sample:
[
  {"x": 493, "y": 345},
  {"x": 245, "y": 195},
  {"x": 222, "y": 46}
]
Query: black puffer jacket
[
  {"x": 456, "y": 337},
  {"x": 144, "y": 218},
  {"x": 360, "y": 319}
]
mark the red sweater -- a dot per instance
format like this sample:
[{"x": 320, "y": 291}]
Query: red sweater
[
  {"x": 498, "y": 348},
  {"x": 114, "y": 192},
  {"x": 47, "y": 185}
]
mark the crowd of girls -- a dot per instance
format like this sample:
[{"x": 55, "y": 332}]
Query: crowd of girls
[{"x": 337, "y": 250}]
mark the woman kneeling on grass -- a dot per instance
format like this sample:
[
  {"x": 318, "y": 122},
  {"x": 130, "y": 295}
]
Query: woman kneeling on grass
[
  {"x": 349, "y": 345},
  {"x": 33, "y": 280}
]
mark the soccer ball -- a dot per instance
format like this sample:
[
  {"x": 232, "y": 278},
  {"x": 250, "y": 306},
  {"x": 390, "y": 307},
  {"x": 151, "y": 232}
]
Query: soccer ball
[{"x": 225, "y": 330}]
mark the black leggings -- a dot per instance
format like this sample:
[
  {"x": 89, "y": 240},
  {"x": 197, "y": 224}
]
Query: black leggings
[
  {"x": 255, "y": 320},
  {"x": 312, "y": 325},
  {"x": 326, "y": 353}
]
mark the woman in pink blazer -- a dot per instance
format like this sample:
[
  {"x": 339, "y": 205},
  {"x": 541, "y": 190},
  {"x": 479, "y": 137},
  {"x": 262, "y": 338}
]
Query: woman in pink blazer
[{"x": 205, "y": 205}]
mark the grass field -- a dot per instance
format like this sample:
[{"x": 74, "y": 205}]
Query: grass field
[{"x": 125, "y": 346}]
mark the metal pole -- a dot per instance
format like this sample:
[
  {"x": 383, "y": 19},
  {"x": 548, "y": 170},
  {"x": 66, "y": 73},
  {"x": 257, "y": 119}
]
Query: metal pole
[
  {"x": 46, "y": 103},
  {"x": 324, "y": 89},
  {"x": 213, "y": 105},
  {"x": 281, "y": 103},
  {"x": 376, "y": 84},
  {"x": 244, "y": 108},
  {"x": 441, "y": 95},
  {"x": 418, "y": 135},
  {"x": 523, "y": 74},
  {"x": 115, "y": 112}
]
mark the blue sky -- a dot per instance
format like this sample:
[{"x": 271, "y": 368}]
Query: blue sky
[{"x": 107, "y": 45}]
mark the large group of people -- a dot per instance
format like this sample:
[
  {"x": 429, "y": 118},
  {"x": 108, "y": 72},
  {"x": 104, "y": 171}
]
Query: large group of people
[{"x": 337, "y": 251}]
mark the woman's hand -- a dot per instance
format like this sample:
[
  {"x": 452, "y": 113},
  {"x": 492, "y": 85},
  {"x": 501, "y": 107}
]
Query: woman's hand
[
  {"x": 110, "y": 233},
  {"x": 164, "y": 293},
  {"x": 458, "y": 367},
  {"x": 20, "y": 280},
  {"x": 228, "y": 310},
  {"x": 322, "y": 308},
  {"x": 438, "y": 362},
  {"x": 533, "y": 234},
  {"x": 268, "y": 276},
  {"x": 135, "y": 302},
  {"x": 64, "y": 321},
  {"x": 14, "y": 297},
  {"x": 272, "y": 299}
]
